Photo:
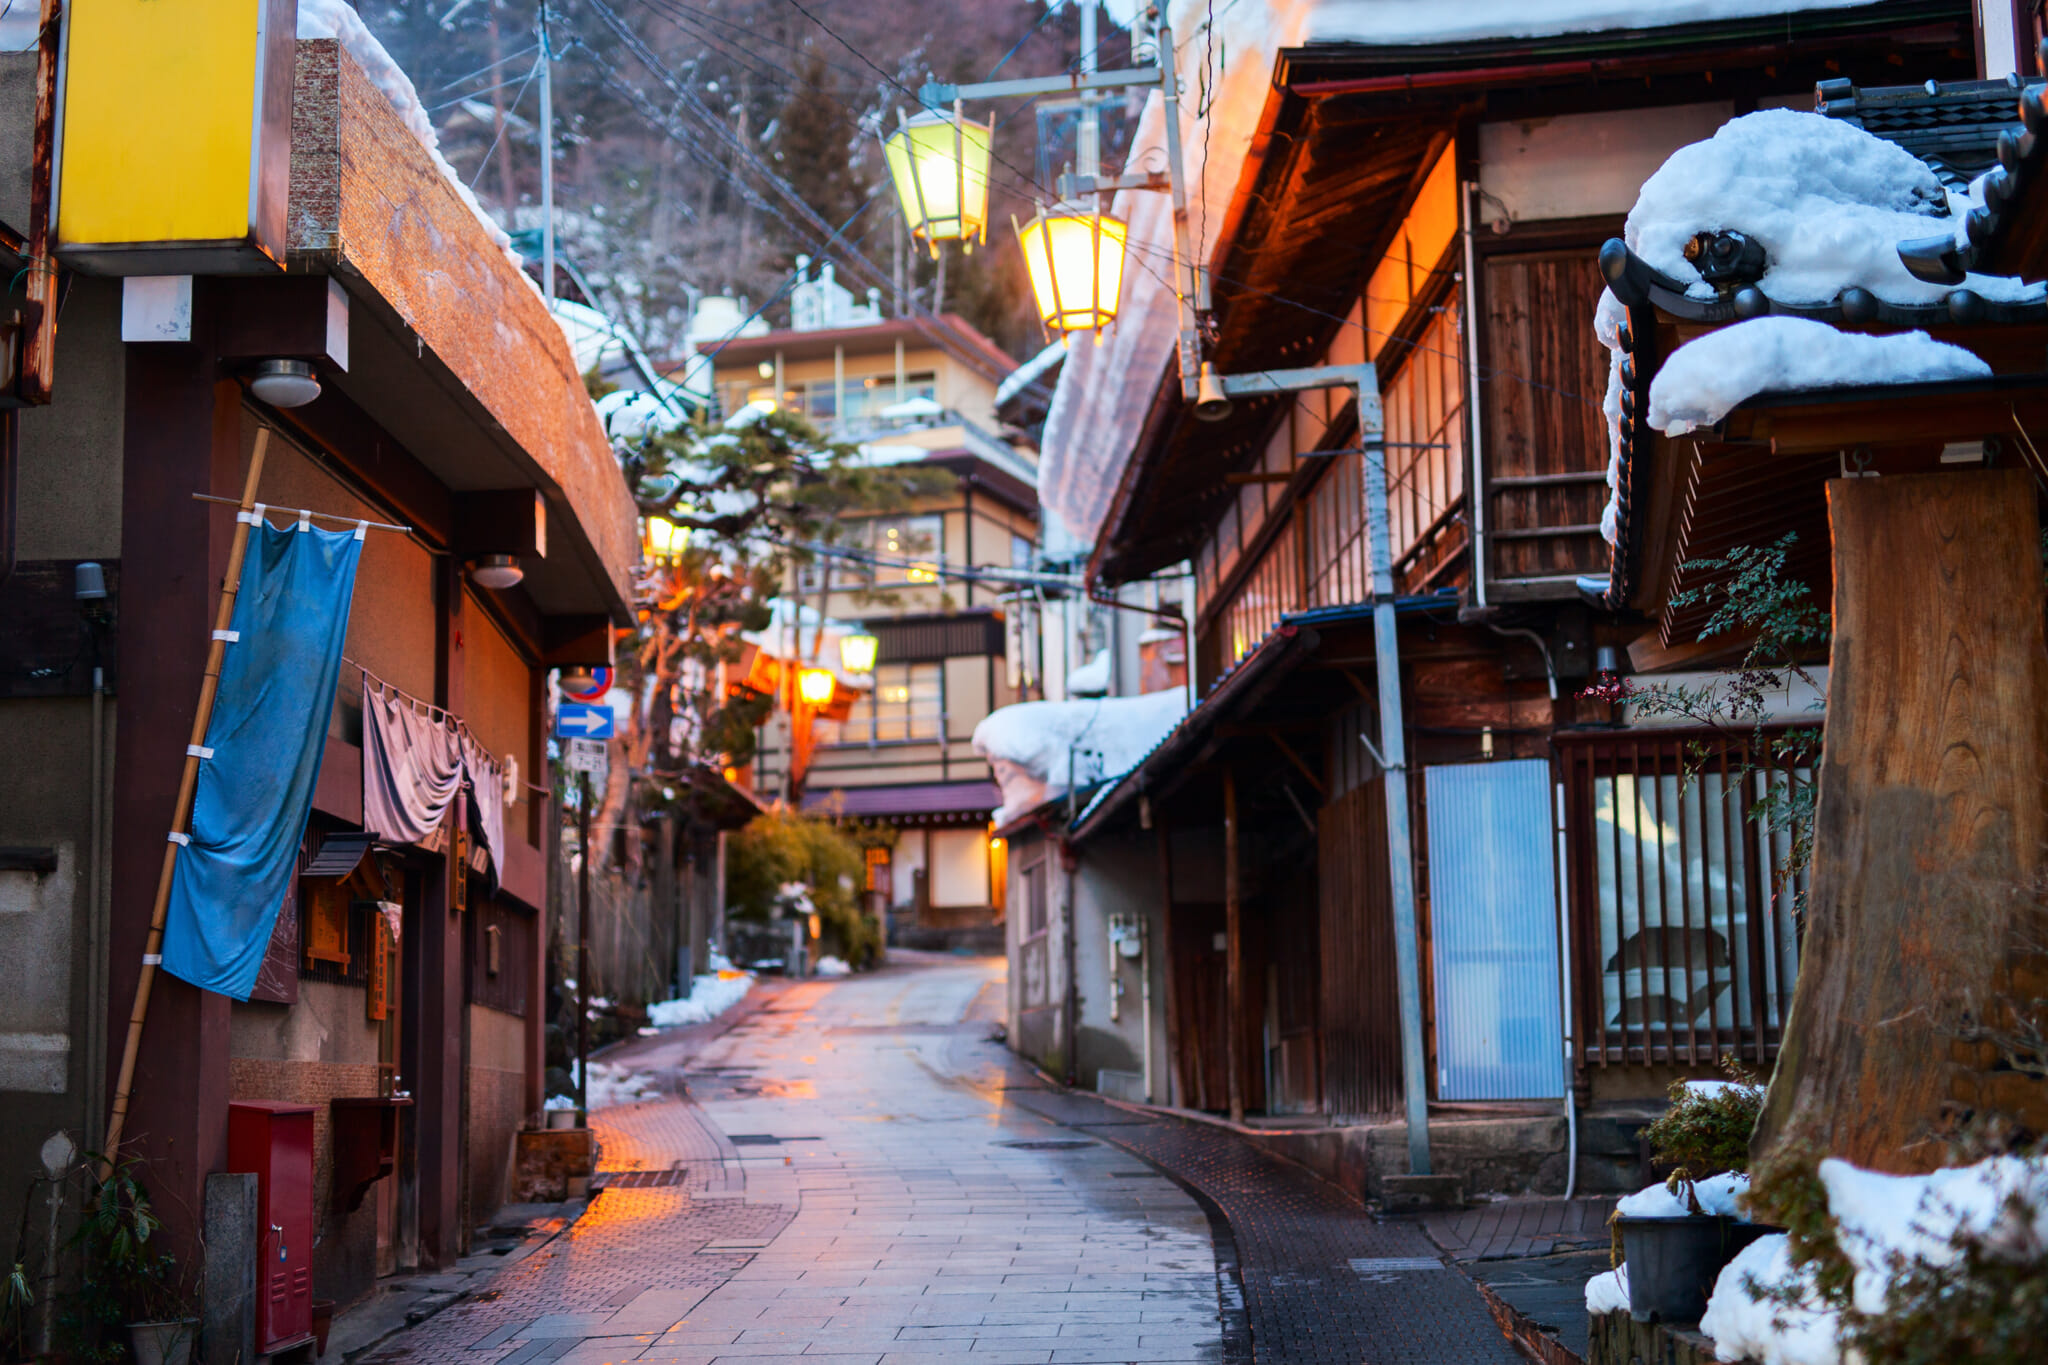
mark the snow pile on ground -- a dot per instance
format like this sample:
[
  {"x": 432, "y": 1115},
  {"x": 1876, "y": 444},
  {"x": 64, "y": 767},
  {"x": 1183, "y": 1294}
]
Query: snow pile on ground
[
  {"x": 829, "y": 965},
  {"x": 1041, "y": 749},
  {"x": 1390, "y": 22},
  {"x": 1706, "y": 378},
  {"x": 338, "y": 20},
  {"x": 1878, "y": 1217},
  {"x": 710, "y": 996},
  {"x": 1607, "y": 1292},
  {"x": 1828, "y": 202},
  {"x": 1717, "y": 1195},
  {"x": 614, "y": 1083}
]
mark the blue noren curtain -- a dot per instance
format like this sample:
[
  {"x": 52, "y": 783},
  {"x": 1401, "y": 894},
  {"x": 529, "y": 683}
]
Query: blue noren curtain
[{"x": 267, "y": 733}]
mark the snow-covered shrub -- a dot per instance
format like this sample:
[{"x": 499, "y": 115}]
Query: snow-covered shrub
[{"x": 1706, "y": 1130}]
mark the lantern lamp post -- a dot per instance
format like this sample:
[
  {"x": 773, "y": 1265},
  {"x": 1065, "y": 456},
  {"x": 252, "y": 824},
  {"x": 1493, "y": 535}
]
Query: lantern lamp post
[
  {"x": 939, "y": 163},
  {"x": 1074, "y": 254},
  {"x": 857, "y": 652}
]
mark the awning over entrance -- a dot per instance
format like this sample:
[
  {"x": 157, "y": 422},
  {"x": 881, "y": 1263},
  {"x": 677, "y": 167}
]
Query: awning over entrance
[{"x": 920, "y": 803}]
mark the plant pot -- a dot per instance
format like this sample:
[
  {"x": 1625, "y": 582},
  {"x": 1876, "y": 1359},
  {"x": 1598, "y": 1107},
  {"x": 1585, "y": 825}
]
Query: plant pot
[
  {"x": 1673, "y": 1262},
  {"x": 163, "y": 1343},
  {"x": 323, "y": 1321},
  {"x": 563, "y": 1118}
]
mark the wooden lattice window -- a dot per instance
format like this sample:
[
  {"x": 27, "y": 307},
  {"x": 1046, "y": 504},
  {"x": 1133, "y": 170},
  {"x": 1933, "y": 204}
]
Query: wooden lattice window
[{"x": 327, "y": 910}]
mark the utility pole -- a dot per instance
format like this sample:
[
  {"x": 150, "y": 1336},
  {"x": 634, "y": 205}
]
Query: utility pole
[
  {"x": 547, "y": 161},
  {"x": 1088, "y": 139},
  {"x": 583, "y": 946}
]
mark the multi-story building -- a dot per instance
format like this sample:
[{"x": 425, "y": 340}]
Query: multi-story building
[
  {"x": 922, "y": 390},
  {"x": 401, "y": 373}
]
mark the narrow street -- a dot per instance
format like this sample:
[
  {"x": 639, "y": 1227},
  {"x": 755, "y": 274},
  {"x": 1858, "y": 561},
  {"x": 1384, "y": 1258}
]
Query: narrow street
[{"x": 855, "y": 1172}]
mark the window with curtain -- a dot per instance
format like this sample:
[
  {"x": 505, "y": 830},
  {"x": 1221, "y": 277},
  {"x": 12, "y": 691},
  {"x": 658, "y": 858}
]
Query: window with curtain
[
  {"x": 1688, "y": 943},
  {"x": 905, "y": 704}
]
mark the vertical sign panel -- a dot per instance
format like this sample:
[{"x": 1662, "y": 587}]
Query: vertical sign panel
[{"x": 1493, "y": 930}]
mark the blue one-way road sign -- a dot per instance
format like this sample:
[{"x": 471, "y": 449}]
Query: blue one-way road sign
[{"x": 578, "y": 720}]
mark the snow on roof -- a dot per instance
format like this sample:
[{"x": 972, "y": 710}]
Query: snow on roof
[
  {"x": 1390, "y": 23},
  {"x": 335, "y": 19},
  {"x": 1021, "y": 378},
  {"x": 1041, "y": 749},
  {"x": 1828, "y": 202},
  {"x": 1707, "y": 377}
]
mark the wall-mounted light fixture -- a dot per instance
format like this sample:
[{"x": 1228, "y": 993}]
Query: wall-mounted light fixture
[
  {"x": 496, "y": 572},
  {"x": 285, "y": 383}
]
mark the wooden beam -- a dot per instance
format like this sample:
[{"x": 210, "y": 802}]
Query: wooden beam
[
  {"x": 1233, "y": 916},
  {"x": 1928, "y": 833},
  {"x": 1177, "y": 1088},
  {"x": 1314, "y": 779}
]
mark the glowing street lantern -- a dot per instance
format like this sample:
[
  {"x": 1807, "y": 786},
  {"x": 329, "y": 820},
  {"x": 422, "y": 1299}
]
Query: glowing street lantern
[
  {"x": 940, "y": 165},
  {"x": 666, "y": 541},
  {"x": 857, "y": 653},
  {"x": 1075, "y": 257},
  {"x": 814, "y": 686}
]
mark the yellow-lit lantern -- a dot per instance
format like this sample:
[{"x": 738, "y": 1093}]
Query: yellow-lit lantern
[
  {"x": 666, "y": 541},
  {"x": 815, "y": 686},
  {"x": 857, "y": 653},
  {"x": 939, "y": 163},
  {"x": 1075, "y": 257}
]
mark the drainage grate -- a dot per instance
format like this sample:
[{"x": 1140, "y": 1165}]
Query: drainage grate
[
  {"x": 1379, "y": 1265},
  {"x": 637, "y": 1180},
  {"x": 1044, "y": 1144}
]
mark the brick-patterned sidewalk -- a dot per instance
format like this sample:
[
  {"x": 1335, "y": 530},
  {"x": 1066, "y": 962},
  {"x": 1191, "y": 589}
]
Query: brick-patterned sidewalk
[
  {"x": 631, "y": 1268},
  {"x": 1323, "y": 1281}
]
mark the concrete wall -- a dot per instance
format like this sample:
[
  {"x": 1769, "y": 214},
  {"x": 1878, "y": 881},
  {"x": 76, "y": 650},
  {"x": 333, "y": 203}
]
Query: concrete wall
[
  {"x": 52, "y": 933},
  {"x": 1114, "y": 877}
]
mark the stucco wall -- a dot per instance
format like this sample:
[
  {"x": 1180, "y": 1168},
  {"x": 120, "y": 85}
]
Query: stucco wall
[
  {"x": 497, "y": 1071},
  {"x": 318, "y": 1050},
  {"x": 391, "y": 622},
  {"x": 496, "y": 704}
]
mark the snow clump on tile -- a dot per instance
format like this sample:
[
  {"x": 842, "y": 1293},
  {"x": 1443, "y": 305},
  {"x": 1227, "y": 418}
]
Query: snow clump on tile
[
  {"x": 1828, "y": 202},
  {"x": 1042, "y": 749},
  {"x": 338, "y": 20},
  {"x": 1706, "y": 378}
]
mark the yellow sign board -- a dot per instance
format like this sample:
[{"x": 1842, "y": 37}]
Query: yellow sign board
[{"x": 175, "y": 139}]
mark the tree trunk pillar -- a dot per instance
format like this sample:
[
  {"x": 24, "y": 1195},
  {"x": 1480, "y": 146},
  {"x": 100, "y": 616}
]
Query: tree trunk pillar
[{"x": 1928, "y": 827}]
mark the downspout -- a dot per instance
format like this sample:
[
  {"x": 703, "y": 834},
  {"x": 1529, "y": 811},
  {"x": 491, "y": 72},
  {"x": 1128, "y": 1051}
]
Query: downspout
[
  {"x": 1564, "y": 961},
  {"x": 1474, "y": 422},
  {"x": 1069, "y": 860}
]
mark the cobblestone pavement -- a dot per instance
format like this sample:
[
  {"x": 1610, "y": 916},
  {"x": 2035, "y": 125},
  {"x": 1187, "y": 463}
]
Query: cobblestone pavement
[{"x": 854, "y": 1173}]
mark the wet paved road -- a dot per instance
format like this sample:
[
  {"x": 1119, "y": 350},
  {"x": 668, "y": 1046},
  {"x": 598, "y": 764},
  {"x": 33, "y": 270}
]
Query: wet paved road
[{"x": 853, "y": 1172}]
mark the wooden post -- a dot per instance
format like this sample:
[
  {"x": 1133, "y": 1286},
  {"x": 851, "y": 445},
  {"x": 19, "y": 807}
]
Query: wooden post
[
  {"x": 1927, "y": 839},
  {"x": 181, "y": 814},
  {"x": 1233, "y": 1043},
  {"x": 583, "y": 852},
  {"x": 1177, "y": 1088}
]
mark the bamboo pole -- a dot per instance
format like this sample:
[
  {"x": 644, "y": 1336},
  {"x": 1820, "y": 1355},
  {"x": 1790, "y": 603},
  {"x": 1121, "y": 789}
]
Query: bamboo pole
[{"x": 182, "y": 815}]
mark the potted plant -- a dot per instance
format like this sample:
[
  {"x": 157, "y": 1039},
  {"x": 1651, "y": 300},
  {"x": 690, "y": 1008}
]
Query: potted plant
[
  {"x": 131, "y": 1297},
  {"x": 1676, "y": 1245}
]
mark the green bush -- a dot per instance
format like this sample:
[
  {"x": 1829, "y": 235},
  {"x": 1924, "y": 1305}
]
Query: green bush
[
  {"x": 1706, "y": 1134},
  {"x": 781, "y": 848}
]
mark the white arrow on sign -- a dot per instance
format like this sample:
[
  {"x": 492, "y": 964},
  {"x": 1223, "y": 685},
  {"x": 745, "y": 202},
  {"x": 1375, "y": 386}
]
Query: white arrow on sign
[{"x": 586, "y": 721}]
